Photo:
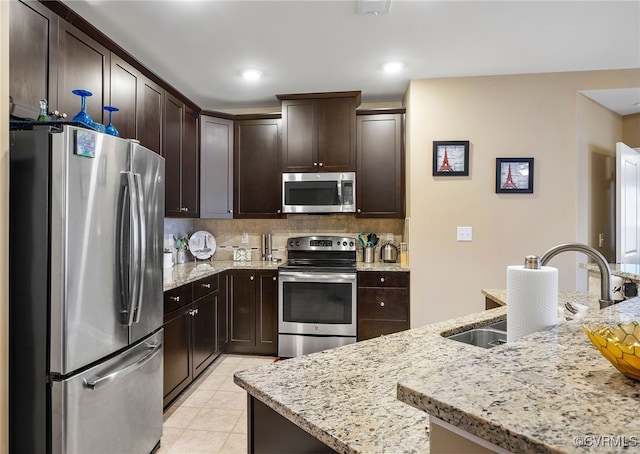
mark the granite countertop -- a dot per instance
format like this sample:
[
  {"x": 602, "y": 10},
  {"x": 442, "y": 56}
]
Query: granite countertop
[
  {"x": 186, "y": 273},
  {"x": 624, "y": 270},
  {"x": 551, "y": 391},
  {"x": 533, "y": 395}
]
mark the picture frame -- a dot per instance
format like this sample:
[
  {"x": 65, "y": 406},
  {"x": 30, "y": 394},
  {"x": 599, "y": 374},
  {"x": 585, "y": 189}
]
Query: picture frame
[
  {"x": 451, "y": 158},
  {"x": 514, "y": 175}
]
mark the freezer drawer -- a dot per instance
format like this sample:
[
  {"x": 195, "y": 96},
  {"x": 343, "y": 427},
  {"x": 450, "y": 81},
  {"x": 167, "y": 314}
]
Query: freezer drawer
[{"x": 113, "y": 407}]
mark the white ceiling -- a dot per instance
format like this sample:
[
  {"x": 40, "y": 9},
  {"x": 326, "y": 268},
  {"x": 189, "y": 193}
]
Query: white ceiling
[{"x": 201, "y": 47}]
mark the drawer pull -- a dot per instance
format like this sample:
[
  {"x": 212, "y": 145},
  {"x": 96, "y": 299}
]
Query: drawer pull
[
  {"x": 381, "y": 279},
  {"x": 174, "y": 298},
  {"x": 193, "y": 312},
  {"x": 381, "y": 303},
  {"x": 206, "y": 285}
]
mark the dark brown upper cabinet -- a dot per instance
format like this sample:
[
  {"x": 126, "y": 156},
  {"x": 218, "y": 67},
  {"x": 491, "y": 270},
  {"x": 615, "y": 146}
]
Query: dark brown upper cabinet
[
  {"x": 380, "y": 180},
  {"x": 180, "y": 151},
  {"x": 124, "y": 88},
  {"x": 33, "y": 38},
  {"x": 149, "y": 111},
  {"x": 257, "y": 191},
  {"x": 319, "y": 132},
  {"x": 83, "y": 63}
]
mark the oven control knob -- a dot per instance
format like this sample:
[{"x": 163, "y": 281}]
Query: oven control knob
[
  {"x": 344, "y": 243},
  {"x": 297, "y": 243},
  {"x": 350, "y": 243}
]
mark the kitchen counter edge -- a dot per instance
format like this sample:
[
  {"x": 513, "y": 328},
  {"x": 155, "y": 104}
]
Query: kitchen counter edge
[{"x": 185, "y": 273}]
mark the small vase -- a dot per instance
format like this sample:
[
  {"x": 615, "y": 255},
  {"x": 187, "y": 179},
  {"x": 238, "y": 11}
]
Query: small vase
[{"x": 182, "y": 256}]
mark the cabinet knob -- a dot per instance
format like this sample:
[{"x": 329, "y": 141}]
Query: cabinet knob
[
  {"x": 381, "y": 279},
  {"x": 315, "y": 164},
  {"x": 320, "y": 164},
  {"x": 184, "y": 209},
  {"x": 206, "y": 285},
  {"x": 381, "y": 303},
  {"x": 195, "y": 311},
  {"x": 174, "y": 298},
  {"x": 251, "y": 277},
  {"x": 230, "y": 211},
  {"x": 359, "y": 210},
  {"x": 279, "y": 211},
  {"x": 274, "y": 278}
]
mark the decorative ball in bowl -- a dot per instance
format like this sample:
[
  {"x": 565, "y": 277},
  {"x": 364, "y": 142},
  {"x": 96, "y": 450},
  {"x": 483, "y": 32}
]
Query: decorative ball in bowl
[{"x": 619, "y": 344}]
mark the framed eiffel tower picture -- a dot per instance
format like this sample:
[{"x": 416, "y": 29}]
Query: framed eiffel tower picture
[
  {"x": 451, "y": 158},
  {"x": 514, "y": 175}
]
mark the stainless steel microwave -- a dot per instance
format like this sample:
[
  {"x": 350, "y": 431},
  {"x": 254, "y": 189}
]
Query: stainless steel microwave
[{"x": 324, "y": 192}]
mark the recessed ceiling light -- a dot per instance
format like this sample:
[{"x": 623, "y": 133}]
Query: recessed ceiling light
[
  {"x": 251, "y": 74},
  {"x": 393, "y": 67}
]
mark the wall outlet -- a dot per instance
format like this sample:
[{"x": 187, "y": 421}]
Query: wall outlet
[
  {"x": 245, "y": 238},
  {"x": 465, "y": 233}
]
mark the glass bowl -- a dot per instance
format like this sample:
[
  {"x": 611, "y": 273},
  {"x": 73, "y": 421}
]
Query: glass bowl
[{"x": 619, "y": 344}]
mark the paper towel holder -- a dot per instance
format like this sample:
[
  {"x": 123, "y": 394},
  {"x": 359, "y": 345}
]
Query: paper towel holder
[{"x": 532, "y": 262}]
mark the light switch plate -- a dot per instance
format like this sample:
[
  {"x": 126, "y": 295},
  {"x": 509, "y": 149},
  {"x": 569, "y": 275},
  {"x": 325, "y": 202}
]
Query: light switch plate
[
  {"x": 465, "y": 233},
  {"x": 245, "y": 238}
]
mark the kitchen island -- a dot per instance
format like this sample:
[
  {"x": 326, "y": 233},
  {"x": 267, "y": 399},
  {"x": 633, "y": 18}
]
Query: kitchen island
[{"x": 539, "y": 394}]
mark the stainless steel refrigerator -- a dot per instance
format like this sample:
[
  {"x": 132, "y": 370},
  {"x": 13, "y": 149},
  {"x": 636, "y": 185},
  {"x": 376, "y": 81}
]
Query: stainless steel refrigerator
[{"x": 85, "y": 295}]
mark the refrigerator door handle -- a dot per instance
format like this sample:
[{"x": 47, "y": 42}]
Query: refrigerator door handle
[
  {"x": 105, "y": 380},
  {"x": 134, "y": 270},
  {"x": 142, "y": 235}
]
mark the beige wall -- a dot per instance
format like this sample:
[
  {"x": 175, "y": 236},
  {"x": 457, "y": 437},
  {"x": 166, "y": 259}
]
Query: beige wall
[
  {"x": 4, "y": 222},
  {"x": 598, "y": 130},
  {"x": 631, "y": 130},
  {"x": 502, "y": 116}
]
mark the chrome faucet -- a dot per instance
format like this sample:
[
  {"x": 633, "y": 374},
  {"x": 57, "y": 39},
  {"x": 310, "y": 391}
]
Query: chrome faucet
[{"x": 606, "y": 299}]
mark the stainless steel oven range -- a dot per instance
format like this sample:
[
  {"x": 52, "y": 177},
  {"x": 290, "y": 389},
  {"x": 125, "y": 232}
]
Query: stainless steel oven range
[{"x": 317, "y": 295}]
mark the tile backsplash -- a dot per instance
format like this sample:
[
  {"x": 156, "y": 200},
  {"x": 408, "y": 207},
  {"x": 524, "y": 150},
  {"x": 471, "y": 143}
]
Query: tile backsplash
[{"x": 229, "y": 233}]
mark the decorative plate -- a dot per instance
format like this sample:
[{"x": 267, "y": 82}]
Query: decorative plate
[{"x": 202, "y": 245}]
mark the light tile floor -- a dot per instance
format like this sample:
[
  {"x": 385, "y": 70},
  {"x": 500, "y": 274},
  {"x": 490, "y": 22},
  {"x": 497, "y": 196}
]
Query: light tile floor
[{"x": 211, "y": 415}]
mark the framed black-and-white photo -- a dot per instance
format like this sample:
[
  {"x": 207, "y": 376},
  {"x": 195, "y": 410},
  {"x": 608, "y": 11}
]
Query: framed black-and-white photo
[
  {"x": 451, "y": 158},
  {"x": 514, "y": 175}
]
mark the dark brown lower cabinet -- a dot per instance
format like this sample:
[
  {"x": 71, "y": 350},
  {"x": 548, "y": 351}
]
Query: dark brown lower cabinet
[
  {"x": 253, "y": 309},
  {"x": 383, "y": 303},
  {"x": 190, "y": 334}
]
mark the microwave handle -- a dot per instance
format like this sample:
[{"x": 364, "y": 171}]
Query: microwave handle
[{"x": 340, "y": 192}]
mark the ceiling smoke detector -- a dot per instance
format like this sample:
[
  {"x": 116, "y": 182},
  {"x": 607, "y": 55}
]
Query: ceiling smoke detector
[{"x": 374, "y": 7}]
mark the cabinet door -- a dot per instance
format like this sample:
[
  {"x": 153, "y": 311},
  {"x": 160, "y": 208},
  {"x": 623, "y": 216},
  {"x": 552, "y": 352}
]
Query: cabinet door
[
  {"x": 216, "y": 168},
  {"x": 223, "y": 313},
  {"x": 380, "y": 185},
  {"x": 337, "y": 134},
  {"x": 177, "y": 357},
  {"x": 299, "y": 136},
  {"x": 173, "y": 114},
  {"x": 256, "y": 169},
  {"x": 204, "y": 314},
  {"x": 33, "y": 31},
  {"x": 267, "y": 314},
  {"x": 125, "y": 81},
  {"x": 190, "y": 181},
  {"x": 82, "y": 64},
  {"x": 150, "y": 115},
  {"x": 242, "y": 311}
]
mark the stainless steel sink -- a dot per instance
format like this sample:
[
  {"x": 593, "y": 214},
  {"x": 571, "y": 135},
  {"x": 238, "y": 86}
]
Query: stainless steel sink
[
  {"x": 500, "y": 326},
  {"x": 481, "y": 337}
]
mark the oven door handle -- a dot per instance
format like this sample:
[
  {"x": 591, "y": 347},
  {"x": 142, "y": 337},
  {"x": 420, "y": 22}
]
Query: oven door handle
[{"x": 318, "y": 276}]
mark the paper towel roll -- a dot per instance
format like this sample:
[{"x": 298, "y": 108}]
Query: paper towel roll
[{"x": 532, "y": 300}]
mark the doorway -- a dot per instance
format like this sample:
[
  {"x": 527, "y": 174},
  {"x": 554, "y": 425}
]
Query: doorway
[{"x": 627, "y": 204}]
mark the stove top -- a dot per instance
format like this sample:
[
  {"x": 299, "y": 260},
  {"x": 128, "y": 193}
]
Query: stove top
[{"x": 321, "y": 253}]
